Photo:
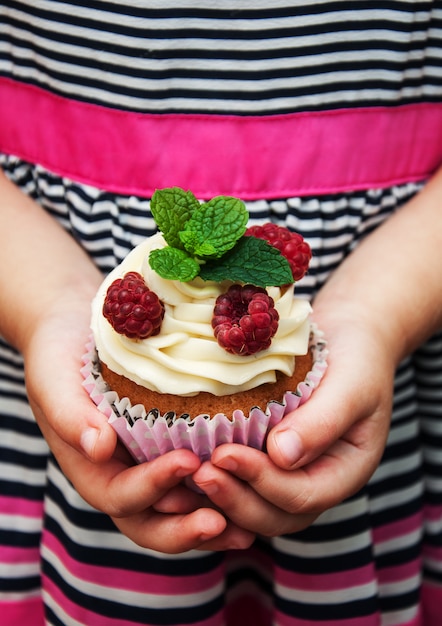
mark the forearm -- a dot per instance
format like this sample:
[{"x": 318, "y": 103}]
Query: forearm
[
  {"x": 41, "y": 264},
  {"x": 392, "y": 282}
]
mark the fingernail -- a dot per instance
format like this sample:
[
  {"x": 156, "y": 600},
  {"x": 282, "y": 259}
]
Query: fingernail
[
  {"x": 210, "y": 489},
  {"x": 88, "y": 440},
  {"x": 227, "y": 463},
  {"x": 206, "y": 537},
  {"x": 289, "y": 445}
]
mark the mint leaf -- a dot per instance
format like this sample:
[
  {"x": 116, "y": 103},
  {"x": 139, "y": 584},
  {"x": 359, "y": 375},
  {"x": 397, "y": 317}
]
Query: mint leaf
[
  {"x": 171, "y": 209},
  {"x": 192, "y": 243},
  {"x": 173, "y": 264},
  {"x": 215, "y": 227},
  {"x": 252, "y": 260}
]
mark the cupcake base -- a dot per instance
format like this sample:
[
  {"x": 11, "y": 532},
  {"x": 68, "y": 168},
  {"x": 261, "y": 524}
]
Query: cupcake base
[
  {"x": 149, "y": 434},
  {"x": 190, "y": 407}
]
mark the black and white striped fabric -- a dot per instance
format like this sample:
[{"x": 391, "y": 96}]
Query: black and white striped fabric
[
  {"x": 377, "y": 530},
  {"x": 181, "y": 56}
]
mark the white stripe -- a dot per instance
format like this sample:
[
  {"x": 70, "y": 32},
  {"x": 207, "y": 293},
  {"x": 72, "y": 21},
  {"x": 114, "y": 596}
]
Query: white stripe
[
  {"x": 433, "y": 526},
  {"x": 16, "y": 596},
  {"x": 18, "y": 408},
  {"x": 398, "y": 543},
  {"x": 391, "y": 500},
  {"x": 434, "y": 484},
  {"x": 432, "y": 393},
  {"x": 336, "y": 596},
  {"x": 64, "y": 618},
  {"x": 29, "y": 476},
  {"x": 88, "y": 538},
  {"x": 19, "y": 442},
  {"x": 397, "y": 467},
  {"x": 433, "y": 564},
  {"x": 397, "y": 618},
  {"x": 337, "y": 547},
  {"x": 343, "y": 512},
  {"x": 400, "y": 587},
  {"x": 20, "y": 523},
  {"x": 433, "y": 426},
  {"x": 19, "y": 570},
  {"x": 406, "y": 392},
  {"x": 432, "y": 455}
]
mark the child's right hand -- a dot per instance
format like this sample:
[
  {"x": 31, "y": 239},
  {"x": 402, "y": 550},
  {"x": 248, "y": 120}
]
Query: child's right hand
[{"x": 84, "y": 445}]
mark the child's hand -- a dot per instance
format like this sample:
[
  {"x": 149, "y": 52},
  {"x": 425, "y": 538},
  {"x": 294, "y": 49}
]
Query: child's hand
[
  {"x": 382, "y": 302},
  {"x": 128, "y": 493},
  {"x": 320, "y": 454},
  {"x": 147, "y": 502}
]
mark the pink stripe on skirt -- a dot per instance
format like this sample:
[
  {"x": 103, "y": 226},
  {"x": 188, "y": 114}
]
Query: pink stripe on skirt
[{"x": 25, "y": 612}]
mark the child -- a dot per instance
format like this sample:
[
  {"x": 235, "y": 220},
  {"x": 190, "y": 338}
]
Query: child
[{"x": 320, "y": 117}]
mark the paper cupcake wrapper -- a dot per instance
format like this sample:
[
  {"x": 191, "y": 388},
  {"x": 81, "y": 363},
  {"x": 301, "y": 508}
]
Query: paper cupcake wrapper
[{"x": 148, "y": 435}]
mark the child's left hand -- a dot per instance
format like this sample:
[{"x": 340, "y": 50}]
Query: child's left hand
[{"x": 332, "y": 445}]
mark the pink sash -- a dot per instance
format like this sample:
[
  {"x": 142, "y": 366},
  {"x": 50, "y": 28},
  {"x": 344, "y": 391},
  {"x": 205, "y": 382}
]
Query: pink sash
[{"x": 252, "y": 157}]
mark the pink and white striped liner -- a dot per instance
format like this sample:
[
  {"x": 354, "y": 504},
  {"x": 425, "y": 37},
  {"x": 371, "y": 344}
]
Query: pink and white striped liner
[{"x": 151, "y": 435}]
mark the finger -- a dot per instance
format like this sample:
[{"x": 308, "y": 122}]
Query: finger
[
  {"x": 335, "y": 475},
  {"x": 118, "y": 489},
  {"x": 181, "y": 499},
  {"x": 173, "y": 534},
  {"x": 204, "y": 529},
  {"x": 137, "y": 487},
  {"x": 232, "y": 538},
  {"x": 245, "y": 506}
]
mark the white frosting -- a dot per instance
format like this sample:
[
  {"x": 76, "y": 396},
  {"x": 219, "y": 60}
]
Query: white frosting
[{"x": 185, "y": 358}]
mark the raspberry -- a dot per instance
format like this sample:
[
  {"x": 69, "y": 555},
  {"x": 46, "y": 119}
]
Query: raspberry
[
  {"x": 132, "y": 309},
  {"x": 291, "y": 245},
  {"x": 244, "y": 320}
]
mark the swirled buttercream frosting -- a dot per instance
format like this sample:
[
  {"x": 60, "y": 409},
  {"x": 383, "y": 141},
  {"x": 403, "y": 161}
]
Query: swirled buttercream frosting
[{"x": 184, "y": 358}]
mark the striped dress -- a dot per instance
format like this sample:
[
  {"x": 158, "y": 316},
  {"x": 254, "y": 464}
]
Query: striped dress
[{"x": 325, "y": 116}]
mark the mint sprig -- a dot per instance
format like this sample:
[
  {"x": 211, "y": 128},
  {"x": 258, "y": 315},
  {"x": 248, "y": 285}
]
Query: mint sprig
[{"x": 208, "y": 240}]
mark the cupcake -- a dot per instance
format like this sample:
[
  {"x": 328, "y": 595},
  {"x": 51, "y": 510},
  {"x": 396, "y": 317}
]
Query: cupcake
[{"x": 198, "y": 338}]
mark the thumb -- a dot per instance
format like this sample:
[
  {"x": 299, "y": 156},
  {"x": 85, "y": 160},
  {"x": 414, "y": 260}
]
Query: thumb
[
  {"x": 83, "y": 428},
  {"x": 342, "y": 399},
  {"x": 305, "y": 433},
  {"x": 65, "y": 411}
]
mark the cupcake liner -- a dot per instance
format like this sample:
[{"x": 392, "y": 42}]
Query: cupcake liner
[{"x": 148, "y": 435}]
